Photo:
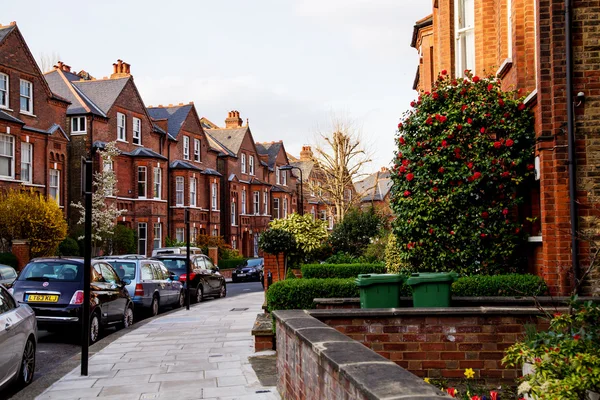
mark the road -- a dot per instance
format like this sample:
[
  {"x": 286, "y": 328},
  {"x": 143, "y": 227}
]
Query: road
[{"x": 56, "y": 348}]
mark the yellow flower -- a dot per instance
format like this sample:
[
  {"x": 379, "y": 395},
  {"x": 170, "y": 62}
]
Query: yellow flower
[
  {"x": 469, "y": 373},
  {"x": 426, "y": 380}
]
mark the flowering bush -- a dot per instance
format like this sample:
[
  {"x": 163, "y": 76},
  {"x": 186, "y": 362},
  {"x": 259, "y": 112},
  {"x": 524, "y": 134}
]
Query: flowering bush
[
  {"x": 469, "y": 389},
  {"x": 464, "y": 159},
  {"x": 566, "y": 358}
]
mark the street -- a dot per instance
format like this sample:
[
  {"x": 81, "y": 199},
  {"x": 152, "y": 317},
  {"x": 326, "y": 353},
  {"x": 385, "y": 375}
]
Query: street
[{"x": 54, "y": 348}]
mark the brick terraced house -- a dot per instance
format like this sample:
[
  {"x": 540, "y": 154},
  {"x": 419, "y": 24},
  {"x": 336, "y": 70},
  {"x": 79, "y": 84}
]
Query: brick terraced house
[{"x": 550, "y": 55}]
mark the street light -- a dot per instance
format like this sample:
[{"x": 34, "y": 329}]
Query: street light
[{"x": 289, "y": 168}]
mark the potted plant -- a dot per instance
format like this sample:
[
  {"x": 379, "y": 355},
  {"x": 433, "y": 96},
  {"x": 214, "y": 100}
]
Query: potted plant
[{"x": 565, "y": 358}]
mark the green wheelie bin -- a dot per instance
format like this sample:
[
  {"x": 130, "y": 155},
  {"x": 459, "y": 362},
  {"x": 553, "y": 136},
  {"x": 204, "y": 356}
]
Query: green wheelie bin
[
  {"x": 380, "y": 290},
  {"x": 432, "y": 289}
]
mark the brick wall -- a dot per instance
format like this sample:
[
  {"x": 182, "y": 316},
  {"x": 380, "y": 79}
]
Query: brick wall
[
  {"x": 21, "y": 250},
  {"x": 271, "y": 266}
]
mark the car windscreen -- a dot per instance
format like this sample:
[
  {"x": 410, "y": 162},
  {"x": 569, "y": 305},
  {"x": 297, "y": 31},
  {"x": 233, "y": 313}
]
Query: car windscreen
[
  {"x": 174, "y": 264},
  {"x": 125, "y": 269},
  {"x": 254, "y": 263},
  {"x": 50, "y": 271}
]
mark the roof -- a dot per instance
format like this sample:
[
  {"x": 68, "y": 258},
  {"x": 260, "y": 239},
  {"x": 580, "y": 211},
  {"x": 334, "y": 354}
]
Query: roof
[
  {"x": 180, "y": 164},
  {"x": 305, "y": 166},
  {"x": 7, "y": 117},
  {"x": 375, "y": 186},
  {"x": 103, "y": 93},
  {"x": 217, "y": 145},
  {"x": 145, "y": 152},
  {"x": 230, "y": 138},
  {"x": 175, "y": 116},
  {"x": 61, "y": 83},
  {"x": 5, "y": 30},
  {"x": 210, "y": 171},
  {"x": 277, "y": 188},
  {"x": 271, "y": 150}
]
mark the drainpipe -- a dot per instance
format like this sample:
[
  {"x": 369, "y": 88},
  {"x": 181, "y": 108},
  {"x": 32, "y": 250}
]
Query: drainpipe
[
  {"x": 169, "y": 210},
  {"x": 571, "y": 139}
]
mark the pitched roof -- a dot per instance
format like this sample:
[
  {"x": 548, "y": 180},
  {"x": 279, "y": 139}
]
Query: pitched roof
[
  {"x": 271, "y": 150},
  {"x": 10, "y": 118},
  {"x": 180, "y": 164},
  {"x": 375, "y": 186},
  {"x": 5, "y": 30},
  {"x": 102, "y": 93},
  {"x": 145, "y": 152},
  {"x": 305, "y": 166},
  {"x": 61, "y": 83},
  {"x": 175, "y": 116},
  {"x": 230, "y": 138}
]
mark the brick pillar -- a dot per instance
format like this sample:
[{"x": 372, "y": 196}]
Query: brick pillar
[
  {"x": 20, "y": 248},
  {"x": 213, "y": 254},
  {"x": 271, "y": 266}
]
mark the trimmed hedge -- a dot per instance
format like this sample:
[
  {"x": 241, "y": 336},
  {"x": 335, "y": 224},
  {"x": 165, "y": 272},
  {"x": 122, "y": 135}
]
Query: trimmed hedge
[
  {"x": 499, "y": 285},
  {"x": 230, "y": 263},
  {"x": 323, "y": 271},
  {"x": 9, "y": 259},
  {"x": 298, "y": 294}
]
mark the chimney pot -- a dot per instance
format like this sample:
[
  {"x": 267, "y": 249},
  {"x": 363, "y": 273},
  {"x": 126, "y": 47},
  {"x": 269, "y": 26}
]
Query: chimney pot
[
  {"x": 13, "y": 23},
  {"x": 170, "y": 105},
  {"x": 383, "y": 169},
  {"x": 180, "y": 104},
  {"x": 160, "y": 106},
  {"x": 115, "y": 68}
]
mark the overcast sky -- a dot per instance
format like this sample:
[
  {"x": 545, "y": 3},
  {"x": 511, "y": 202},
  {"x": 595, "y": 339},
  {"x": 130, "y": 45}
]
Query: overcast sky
[{"x": 286, "y": 65}]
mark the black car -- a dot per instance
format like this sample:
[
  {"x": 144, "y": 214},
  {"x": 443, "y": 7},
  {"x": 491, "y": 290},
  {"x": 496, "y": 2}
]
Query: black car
[
  {"x": 205, "y": 278},
  {"x": 53, "y": 288},
  {"x": 251, "y": 270}
]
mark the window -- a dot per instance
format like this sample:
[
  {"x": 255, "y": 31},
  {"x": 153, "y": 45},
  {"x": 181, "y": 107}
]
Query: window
[
  {"x": 197, "y": 150},
  {"x": 285, "y": 207},
  {"x": 277, "y": 176},
  {"x": 214, "y": 196},
  {"x": 142, "y": 179},
  {"x": 243, "y": 201},
  {"x": 508, "y": 29},
  {"x": 243, "y": 163},
  {"x": 234, "y": 242},
  {"x": 3, "y": 91},
  {"x": 233, "y": 221},
  {"x": 331, "y": 222},
  {"x": 157, "y": 235},
  {"x": 276, "y": 208},
  {"x": 215, "y": 232},
  {"x": 251, "y": 165},
  {"x": 313, "y": 212},
  {"x": 284, "y": 178},
  {"x": 26, "y": 97},
  {"x": 121, "y": 127},
  {"x": 186, "y": 147},
  {"x": 179, "y": 191},
  {"x": 256, "y": 203},
  {"x": 108, "y": 273},
  {"x": 193, "y": 235},
  {"x": 142, "y": 235},
  {"x": 180, "y": 234},
  {"x": 6, "y": 302},
  {"x": 464, "y": 21},
  {"x": 137, "y": 131},
  {"x": 157, "y": 182},
  {"x": 192, "y": 192},
  {"x": 54, "y": 191},
  {"x": 26, "y": 159},
  {"x": 78, "y": 125},
  {"x": 7, "y": 156},
  {"x": 108, "y": 167},
  {"x": 266, "y": 203}
]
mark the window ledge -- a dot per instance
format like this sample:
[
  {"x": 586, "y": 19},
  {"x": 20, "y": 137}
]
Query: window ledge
[
  {"x": 504, "y": 68},
  {"x": 78, "y": 133},
  {"x": 28, "y": 114},
  {"x": 6, "y": 109},
  {"x": 122, "y": 141},
  {"x": 535, "y": 239},
  {"x": 136, "y": 144},
  {"x": 33, "y": 184},
  {"x": 531, "y": 98}
]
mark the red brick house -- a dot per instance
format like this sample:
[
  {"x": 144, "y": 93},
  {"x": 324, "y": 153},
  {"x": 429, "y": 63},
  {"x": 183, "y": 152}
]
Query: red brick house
[
  {"x": 33, "y": 139},
  {"x": 538, "y": 48}
]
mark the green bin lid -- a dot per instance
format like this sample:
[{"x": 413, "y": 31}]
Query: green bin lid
[
  {"x": 371, "y": 279},
  {"x": 431, "y": 277}
]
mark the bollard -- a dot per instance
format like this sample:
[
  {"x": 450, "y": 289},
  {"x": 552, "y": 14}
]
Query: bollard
[{"x": 269, "y": 278}]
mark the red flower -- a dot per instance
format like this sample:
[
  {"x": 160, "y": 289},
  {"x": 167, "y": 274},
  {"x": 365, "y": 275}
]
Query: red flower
[
  {"x": 470, "y": 165},
  {"x": 505, "y": 174},
  {"x": 493, "y": 395},
  {"x": 401, "y": 140},
  {"x": 530, "y": 166},
  {"x": 497, "y": 144},
  {"x": 521, "y": 107},
  {"x": 459, "y": 127},
  {"x": 444, "y": 72},
  {"x": 452, "y": 232},
  {"x": 444, "y": 143},
  {"x": 485, "y": 214},
  {"x": 490, "y": 87},
  {"x": 454, "y": 83},
  {"x": 475, "y": 79},
  {"x": 435, "y": 189},
  {"x": 464, "y": 107},
  {"x": 405, "y": 162},
  {"x": 410, "y": 177},
  {"x": 442, "y": 118},
  {"x": 576, "y": 337},
  {"x": 483, "y": 235},
  {"x": 412, "y": 104},
  {"x": 501, "y": 102},
  {"x": 430, "y": 231},
  {"x": 451, "y": 392},
  {"x": 469, "y": 121},
  {"x": 505, "y": 211},
  {"x": 429, "y": 121},
  {"x": 399, "y": 125},
  {"x": 482, "y": 130},
  {"x": 475, "y": 398},
  {"x": 441, "y": 170},
  {"x": 406, "y": 193},
  {"x": 435, "y": 95},
  {"x": 477, "y": 175},
  {"x": 556, "y": 315},
  {"x": 402, "y": 169},
  {"x": 409, "y": 245},
  {"x": 509, "y": 142}
]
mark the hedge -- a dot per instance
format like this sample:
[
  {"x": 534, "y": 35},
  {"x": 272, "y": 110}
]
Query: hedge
[
  {"x": 230, "y": 263},
  {"x": 340, "y": 270},
  {"x": 499, "y": 285},
  {"x": 9, "y": 259},
  {"x": 298, "y": 294}
]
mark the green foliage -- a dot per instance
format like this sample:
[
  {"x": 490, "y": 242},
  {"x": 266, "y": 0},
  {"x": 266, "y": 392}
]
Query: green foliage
[
  {"x": 393, "y": 257},
  {"x": 340, "y": 270},
  {"x": 8, "y": 259},
  {"x": 464, "y": 161},
  {"x": 169, "y": 242},
  {"x": 275, "y": 241},
  {"x": 290, "y": 274},
  {"x": 500, "y": 285},
  {"x": 342, "y": 258},
  {"x": 68, "y": 247},
  {"x": 226, "y": 252},
  {"x": 123, "y": 240},
  {"x": 231, "y": 263},
  {"x": 298, "y": 294},
  {"x": 309, "y": 235},
  {"x": 375, "y": 251},
  {"x": 354, "y": 233}
]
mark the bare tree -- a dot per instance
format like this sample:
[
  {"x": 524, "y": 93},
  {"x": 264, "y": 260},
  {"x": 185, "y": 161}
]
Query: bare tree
[
  {"x": 339, "y": 159},
  {"x": 48, "y": 60}
]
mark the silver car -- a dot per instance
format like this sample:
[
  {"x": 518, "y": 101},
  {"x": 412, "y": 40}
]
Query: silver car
[{"x": 18, "y": 340}]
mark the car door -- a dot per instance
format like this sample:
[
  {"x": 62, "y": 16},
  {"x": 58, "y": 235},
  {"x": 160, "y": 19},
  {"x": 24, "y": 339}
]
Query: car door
[
  {"x": 116, "y": 301},
  {"x": 172, "y": 287},
  {"x": 200, "y": 270},
  {"x": 163, "y": 284},
  {"x": 213, "y": 276},
  {"x": 10, "y": 347},
  {"x": 99, "y": 293}
]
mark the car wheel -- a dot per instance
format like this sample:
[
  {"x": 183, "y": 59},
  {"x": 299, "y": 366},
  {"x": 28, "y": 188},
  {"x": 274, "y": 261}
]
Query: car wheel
[
  {"x": 127, "y": 318},
  {"x": 181, "y": 301},
  {"x": 27, "y": 364},
  {"x": 223, "y": 291},
  {"x": 199, "y": 294},
  {"x": 154, "y": 306},
  {"x": 94, "y": 328}
]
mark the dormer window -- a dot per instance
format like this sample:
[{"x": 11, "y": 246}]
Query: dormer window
[
  {"x": 3, "y": 91},
  {"x": 197, "y": 150},
  {"x": 26, "y": 97},
  {"x": 284, "y": 178},
  {"x": 277, "y": 176},
  {"x": 137, "y": 131},
  {"x": 186, "y": 147}
]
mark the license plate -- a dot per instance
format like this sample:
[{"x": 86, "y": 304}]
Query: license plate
[
  {"x": 241, "y": 274},
  {"x": 42, "y": 298}
]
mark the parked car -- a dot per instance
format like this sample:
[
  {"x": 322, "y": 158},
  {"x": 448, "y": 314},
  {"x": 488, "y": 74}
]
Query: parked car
[
  {"x": 7, "y": 275},
  {"x": 250, "y": 270},
  {"x": 205, "y": 278},
  {"x": 175, "y": 250},
  {"x": 53, "y": 288},
  {"x": 151, "y": 284},
  {"x": 18, "y": 340}
]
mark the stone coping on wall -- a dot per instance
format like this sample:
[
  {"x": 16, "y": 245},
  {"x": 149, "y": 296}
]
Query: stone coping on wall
[
  {"x": 429, "y": 311},
  {"x": 372, "y": 375}
]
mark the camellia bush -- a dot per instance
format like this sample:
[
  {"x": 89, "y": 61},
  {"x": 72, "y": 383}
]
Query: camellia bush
[{"x": 464, "y": 161}]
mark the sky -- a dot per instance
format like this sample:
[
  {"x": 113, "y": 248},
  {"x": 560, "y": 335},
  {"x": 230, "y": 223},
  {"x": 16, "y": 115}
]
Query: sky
[{"x": 288, "y": 66}]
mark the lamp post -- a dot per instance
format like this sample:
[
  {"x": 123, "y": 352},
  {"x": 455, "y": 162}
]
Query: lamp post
[{"x": 289, "y": 168}]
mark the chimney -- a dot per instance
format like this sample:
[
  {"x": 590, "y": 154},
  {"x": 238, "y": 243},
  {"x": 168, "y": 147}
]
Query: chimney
[
  {"x": 62, "y": 66},
  {"x": 384, "y": 169},
  {"x": 121, "y": 70},
  {"x": 306, "y": 154},
  {"x": 233, "y": 120}
]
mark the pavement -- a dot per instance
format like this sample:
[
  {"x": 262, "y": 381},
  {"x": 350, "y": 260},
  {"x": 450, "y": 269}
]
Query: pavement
[{"x": 203, "y": 353}]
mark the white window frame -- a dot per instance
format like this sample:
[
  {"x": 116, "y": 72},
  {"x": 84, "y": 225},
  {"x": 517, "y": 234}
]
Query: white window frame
[
  {"x": 193, "y": 191},
  {"x": 142, "y": 240},
  {"x": 142, "y": 184},
  {"x": 6, "y": 90},
  {"x": 121, "y": 127},
  {"x": 197, "y": 147},
  {"x": 251, "y": 165},
  {"x": 244, "y": 201},
  {"x": 284, "y": 178},
  {"x": 193, "y": 234},
  {"x": 215, "y": 232},
  {"x": 285, "y": 207},
  {"x": 186, "y": 147},
  {"x": 108, "y": 167},
  {"x": 256, "y": 202},
  {"x": 179, "y": 191},
  {"x": 276, "y": 213},
  {"x": 26, "y": 162},
  {"x": 157, "y": 184},
  {"x": 233, "y": 242},
  {"x": 180, "y": 234},
  {"x": 137, "y": 131},
  {"x": 243, "y": 163},
  {"x": 214, "y": 196},
  {"x": 29, "y": 97},
  {"x": 277, "y": 176},
  {"x": 266, "y": 202},
  {"x": 54, "y": 185},
  {"x": 464, "y": 35},
  {"x": 233, "y": 214},
  {"x": 509, "y": 44},
  {"x": 78, "y": 125},
  {"x": 157, "y": 240}
]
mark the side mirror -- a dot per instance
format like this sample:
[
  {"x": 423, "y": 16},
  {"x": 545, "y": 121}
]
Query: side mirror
[
  {"x": 217, "y": 268},
  {"x": 126, "y": 281}
]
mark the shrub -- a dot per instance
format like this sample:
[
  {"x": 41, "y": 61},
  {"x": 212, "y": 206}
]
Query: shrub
[
  {"x": 340, "y": 270},
  {"x": 375, "y": 251},
  {"x": 298, "y": 294},
  {"x": 290, "y": 274},
  {"x": 354, "y": 233},
  {"x": 341, "y": 258},
  {"x": 499, "y": 285},
  {"x": 309, "y": 236},
  {"x": 123, "y": 240},
  {"x": 8, "y": 259},
  {"x": 68, "y": 247},
  {"x": 231, "y": 263}
]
